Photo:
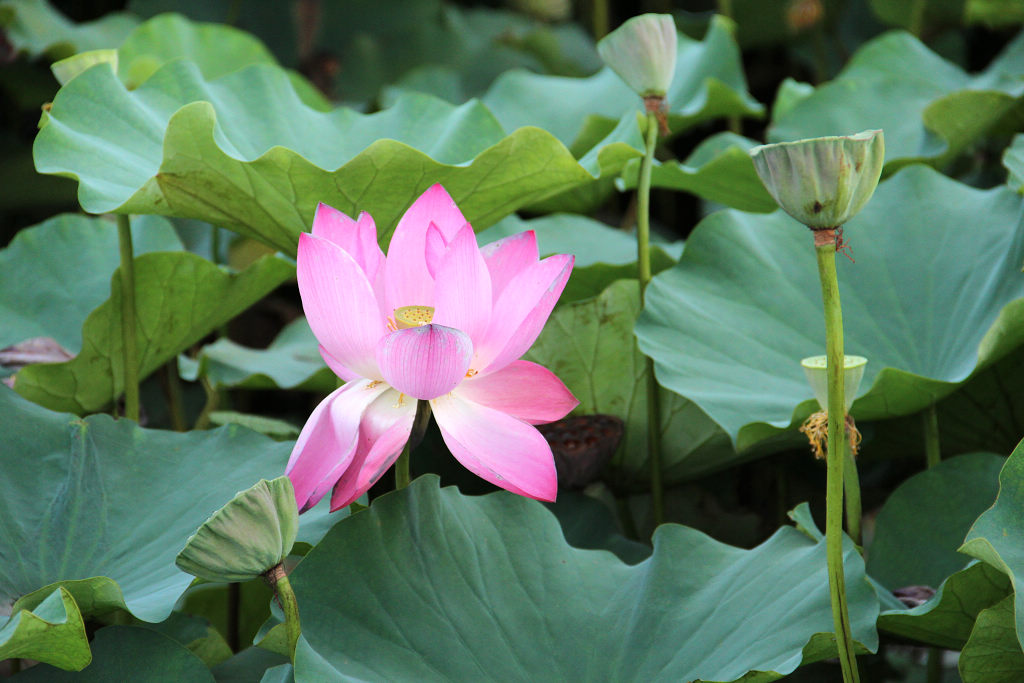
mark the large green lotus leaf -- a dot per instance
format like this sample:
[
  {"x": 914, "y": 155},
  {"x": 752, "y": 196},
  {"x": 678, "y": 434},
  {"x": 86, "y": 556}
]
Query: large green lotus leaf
[
  {"x": 196, "y": 634},
  {"x": 429, "y": 584},
  {"x": 719, "y": 170},
  {"x": 217, "y": 49},
  {"x": 36, "y": 28},
  {"x": 947, "y": 618},
  {"x": 709, "y": 82},
  {"x": 590, "y": 346},
  {"x": 179, "y": 299},
  {"x": 103, "y": 506},
  {"x": 925, "y": 519},
  {"x": 243, "y": 152},
  {"x": 934, "y": 12},
  {"x": 35, "y": 268},
  {"x": 129, "y": 653},
  {"x": 53, "y": 633},
  {"x": 997, "y": 536},
  {"x": 728, "y": 325},
  {"x": 929, "y": 108},
  {"x": 992, "y": 653},
  {"x": 290, "y": 362},
  {"x": 1013, "y": 160}
]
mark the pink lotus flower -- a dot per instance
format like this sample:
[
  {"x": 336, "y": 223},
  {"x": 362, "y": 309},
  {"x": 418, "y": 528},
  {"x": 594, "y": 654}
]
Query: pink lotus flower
[{"x": 441, "y": 320}]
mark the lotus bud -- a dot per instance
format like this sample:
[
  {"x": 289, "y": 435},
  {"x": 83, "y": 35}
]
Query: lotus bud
[
  {"x": 67, "y": 69},
  {"x": 816, "y": 369},
  {"x": 643, "y": 53},
  {"x": 246, "y": 538},
  {"x": 822, "y": 182}
]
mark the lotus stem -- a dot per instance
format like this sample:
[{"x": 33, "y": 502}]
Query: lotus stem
[
  {"x": 131, "y": 353},
  {"x": 643, "y": 260},
  {"x": 917, "y": 8},
  {"x": 932, "y": 450},
  {"x": 851, "y": 487},
  {"x": 172, "y": 390},
  {"x": 599, "y": 18},
  {"x": 289, "y": 605},
  {"x": 419, "y": 429},
  {"x": 826, "y": 253}
]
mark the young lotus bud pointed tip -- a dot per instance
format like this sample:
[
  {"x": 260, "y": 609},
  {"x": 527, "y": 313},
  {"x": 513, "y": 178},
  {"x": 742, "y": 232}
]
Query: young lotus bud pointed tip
[
  {"x": 246, "y": 537},
  {"x": 822, "y": 182},
  {"x": 643, "y": 53}
]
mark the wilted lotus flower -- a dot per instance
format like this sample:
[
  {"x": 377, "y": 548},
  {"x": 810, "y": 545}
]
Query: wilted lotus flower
[
  {"x": 439, "y": 320},
  {"x": 822, "y": 182},
  {"x": 643, "y": 53}
]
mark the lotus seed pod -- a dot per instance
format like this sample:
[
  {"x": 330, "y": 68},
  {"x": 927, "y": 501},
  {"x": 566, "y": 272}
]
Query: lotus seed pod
[
  {"x": 816, "y": 369},
  {"x": 246, "y": 537},
  {"x": 66, "y": 69},
  {"x": 822, "y": 182},
  {"x": 643, "y": 53}
]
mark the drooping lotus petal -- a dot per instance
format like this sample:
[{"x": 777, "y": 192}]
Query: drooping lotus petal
[
  {"x": 507, "y": 257},
  {"x": 522, "y": 309},
  {"x": 340, "y": 304},
  {"x": 497, "y": 447},
  {"x": 357, "y": 237},
  {"x": 382, "y": 435},
  {"x": 337, "y": 367},
  {"x": 328, "y": 441},
  {"x": 407, "y": 280},
  {"x": 426, "y": 361},
  {"x": 434, "y": 250},
  {"x": 462, "y": 290},
  {"x": 522, "y": 389}
]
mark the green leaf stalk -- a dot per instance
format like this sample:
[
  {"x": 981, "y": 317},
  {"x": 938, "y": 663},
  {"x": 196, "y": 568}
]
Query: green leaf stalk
[
  {"x": 419, "y": 428},
  {"x": 131, "y": 353}
]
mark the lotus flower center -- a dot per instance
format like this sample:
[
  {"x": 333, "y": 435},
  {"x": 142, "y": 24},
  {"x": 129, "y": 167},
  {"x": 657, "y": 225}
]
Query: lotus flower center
[{"x": 413, "y": 316}]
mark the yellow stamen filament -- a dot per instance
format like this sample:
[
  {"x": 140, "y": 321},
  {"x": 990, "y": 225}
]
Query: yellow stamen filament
[
  {"x": 470, "y": 373},
  {"x": 815, "y": 428},
  {"x": 413, "y": 316},
  {"x": 401, "y": 401},
  {"x": 374, "y": 383}
]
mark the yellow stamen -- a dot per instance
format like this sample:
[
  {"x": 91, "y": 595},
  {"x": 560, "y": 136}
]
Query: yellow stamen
[
  {"x": 471, "y": 373},
  {"x": 401, "y": 401},
  {"x": 815, "y": 428},
  {"x": 413, "y": 316},
  {"x": 374, "y": 383}
]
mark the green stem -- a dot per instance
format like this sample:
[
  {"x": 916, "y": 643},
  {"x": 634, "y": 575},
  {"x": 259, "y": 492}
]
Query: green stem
[
  {"x": 599, "y": 18},
  {"x": 643, "y": 260},
  {"x": 419, "y": 428},
  {"x": 131, "y": 354},
  {"x": 725, "y": 8},
  {"x": 917, "y": 9},
  {"x": 172, "y": 389},
  {"x": 932, "y": 451},
  {"x": 212, "y": 401},
  {"x": 289, "y": 605},
  {"x": 234, "y": 608},
  {"x": 851, "y": 485},
  {"x": 836, "y": 440}
]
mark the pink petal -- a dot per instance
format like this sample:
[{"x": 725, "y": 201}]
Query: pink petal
[
  {"x": 462, "y": 290},
  {"x": 407, "y": 280},
  {"x": 425, "y": 361},
  {"x": 358, "y": 238},
  {"x": 337, "y": 367},
  {"x": 497, "y": 447},
  {"x": 524, "y": 390},
  {"x": 435, "y": 249},
  {"x": 509, "y": 256},
  {"x": 521, "y": 311},
  {"x": 328, "y": 441},
  {"x": 340, "y": 305},
  {"x": 382, "y": 435}
]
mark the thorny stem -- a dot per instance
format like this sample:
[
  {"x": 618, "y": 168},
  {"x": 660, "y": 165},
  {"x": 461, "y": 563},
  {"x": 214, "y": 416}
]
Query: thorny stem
[
  {"x": 278, "y": 579},
  {"x": 131, "y": 354},
  {"x": 419, "y": 428},
  {"x": 643, "y": 238},
  {"x": 826, "y": 254}
]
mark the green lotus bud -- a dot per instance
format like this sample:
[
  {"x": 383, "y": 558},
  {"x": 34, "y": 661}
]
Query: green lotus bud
[
  {"x": 246, "y": 537},
  {"x": 816, "y": 369},
  {"x": 822, "y": 182},
  {"x": 67, "y": 69},
  {"x": 643, "y": 53}
]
